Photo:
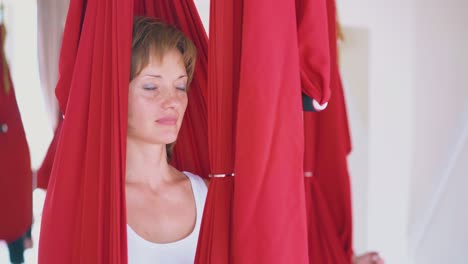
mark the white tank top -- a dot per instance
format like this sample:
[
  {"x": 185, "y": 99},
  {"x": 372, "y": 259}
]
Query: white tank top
[{"x": 141, "y": 251}]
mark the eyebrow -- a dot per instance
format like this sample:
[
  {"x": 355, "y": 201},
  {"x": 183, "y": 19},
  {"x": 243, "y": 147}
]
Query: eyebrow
[{"x": 160, "y": 77}]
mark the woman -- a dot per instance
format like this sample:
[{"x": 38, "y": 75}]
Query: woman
[{"x": 164, "y": 205}]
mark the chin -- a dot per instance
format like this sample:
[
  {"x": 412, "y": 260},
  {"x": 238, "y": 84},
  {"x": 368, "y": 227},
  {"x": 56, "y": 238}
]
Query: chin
[{"x": 164, "y": 139}]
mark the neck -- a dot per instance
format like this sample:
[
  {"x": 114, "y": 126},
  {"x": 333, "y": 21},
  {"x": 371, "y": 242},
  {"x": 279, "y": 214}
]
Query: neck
[{"x": 147, "y": 163}]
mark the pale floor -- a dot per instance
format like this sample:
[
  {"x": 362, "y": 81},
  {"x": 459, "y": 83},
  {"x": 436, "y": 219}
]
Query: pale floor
[{"x": 30, "y": 255}]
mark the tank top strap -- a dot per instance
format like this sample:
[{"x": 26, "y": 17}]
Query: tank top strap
[{"x": 200, "y": 192}]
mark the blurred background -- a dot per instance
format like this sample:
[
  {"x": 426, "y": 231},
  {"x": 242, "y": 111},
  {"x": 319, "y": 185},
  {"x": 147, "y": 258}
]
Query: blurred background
[{"x": 404, "y": 66}]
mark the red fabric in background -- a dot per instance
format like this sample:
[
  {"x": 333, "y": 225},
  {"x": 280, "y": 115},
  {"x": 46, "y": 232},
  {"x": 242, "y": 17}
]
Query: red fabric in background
[
  {"x": 324, "y": 244},
  {"x": 327, "y": 145},
  {"x": 314, "y": 53},
  {"x": 331, "y": 170},
  {"x": 15, "y": 162}
]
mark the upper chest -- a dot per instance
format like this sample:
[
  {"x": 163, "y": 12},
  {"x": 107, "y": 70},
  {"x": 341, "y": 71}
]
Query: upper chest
[{"x": 161, "y": 217}]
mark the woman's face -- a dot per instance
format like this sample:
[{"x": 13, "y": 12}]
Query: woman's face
[{"x": 157, "y": 100}]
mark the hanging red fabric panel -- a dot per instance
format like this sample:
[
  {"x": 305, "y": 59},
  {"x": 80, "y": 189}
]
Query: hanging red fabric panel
[
  {"x": 314, "y": 53},
  {"x": 269, "y": 218},
  {"x": 15, "y": 163},
  {"x": 331, "y": 169},
  {"x": 215, "y": 239},
  {"x": 84, "y": 214},
  {"x": 327, "y": 179}
]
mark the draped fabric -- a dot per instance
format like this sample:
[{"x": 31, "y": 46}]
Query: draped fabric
[
  {"x": 268, "y": 155},
  {"x": 51, "y": 15},
  {"x": 313, "y": 30},
  {"x": 84, "y": 214},
  {"x": 327, "y": 144},
  {"x": 331, "y": 169},
  {"x": 15, "y": 162},
  {"x": 269, "y": 216},
  {"x": 214, "y": 245}
]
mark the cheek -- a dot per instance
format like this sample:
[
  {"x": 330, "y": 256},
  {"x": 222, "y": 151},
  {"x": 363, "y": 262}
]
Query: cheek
[
  {"x": 135, "y": 111},
  {"x": 184, "y": 103}
]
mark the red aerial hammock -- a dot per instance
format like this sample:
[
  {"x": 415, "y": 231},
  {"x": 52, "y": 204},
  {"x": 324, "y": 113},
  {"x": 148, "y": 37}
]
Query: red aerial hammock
[
  {"x": 217, "y": 244},
  {"x": 327, "y": 180},
  {"x": 215, "y": 240},
  {"x": 84, "y": 217},
  {"x": 15, "y": 163}
]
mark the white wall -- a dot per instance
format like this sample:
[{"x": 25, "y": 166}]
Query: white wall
[
  {"x": 446, "y": 236},
  {"x": 441, "y": 114},
  {"x": 390, "y": 115},
  {"x": 418, "y": 110},
  {"x": 354, "y": 61},
  {"x": 203, "y": 7}
]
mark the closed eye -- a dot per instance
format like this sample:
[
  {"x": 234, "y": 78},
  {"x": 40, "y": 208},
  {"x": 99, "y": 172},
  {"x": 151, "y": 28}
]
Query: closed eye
[
  {"x": 149, "y": 87},
  {"x": 182, "y": 88}
]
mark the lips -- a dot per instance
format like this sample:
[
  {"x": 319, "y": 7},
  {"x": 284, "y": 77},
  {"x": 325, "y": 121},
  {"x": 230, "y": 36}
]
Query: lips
[{"x": 168, "y": 120}]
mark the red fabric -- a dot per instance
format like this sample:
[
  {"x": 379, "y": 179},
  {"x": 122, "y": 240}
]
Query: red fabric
[
  {"x": 15, "y": 163},
  {"x": 324, "y": 244},
  {"x": 326, "y": 150},
  {"x": 331, "y": 168},
  {"x": 314, "y": 53},
  {"x": 269, "y": 217},
  {"x": 44, "y": 172},
  {"x": 84, "y": 214},
  {"x": 215, "y": 238}
]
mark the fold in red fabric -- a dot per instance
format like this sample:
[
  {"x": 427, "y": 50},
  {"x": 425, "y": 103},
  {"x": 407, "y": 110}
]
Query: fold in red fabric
[
  {"x": 15, "y": 163},
  {"x": 269, "y": 213},
  {"x": 324, "y": 244},
  {"x": 215, "y": 240},
  {"x": 84, "y": 214},
  {"x": 314, "y": 48},
  {"x": 331, "y": 170}
]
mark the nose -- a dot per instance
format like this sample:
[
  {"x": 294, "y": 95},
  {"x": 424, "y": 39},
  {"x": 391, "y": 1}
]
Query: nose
[{"x": 171, "y": 99}]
